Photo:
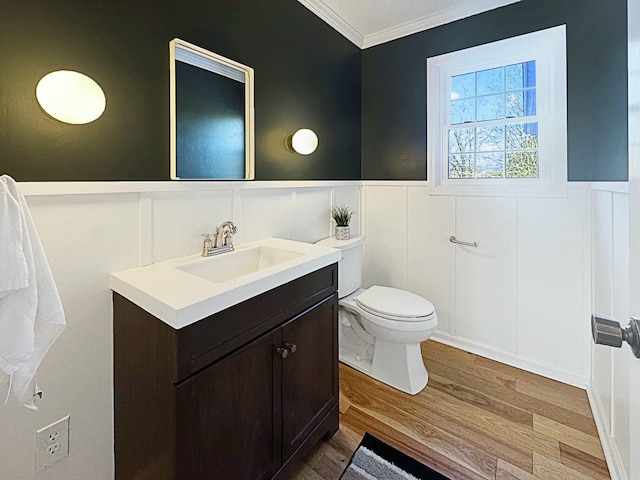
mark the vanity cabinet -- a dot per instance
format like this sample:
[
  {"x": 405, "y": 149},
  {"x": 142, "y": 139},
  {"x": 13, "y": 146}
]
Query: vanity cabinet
[{"x": 241, "y": 394}]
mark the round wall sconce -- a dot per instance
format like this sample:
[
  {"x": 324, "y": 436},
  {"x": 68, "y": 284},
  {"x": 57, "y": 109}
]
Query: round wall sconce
[
  {"x": 71, "y": 97},
  {"x": 304, "y": 142}
]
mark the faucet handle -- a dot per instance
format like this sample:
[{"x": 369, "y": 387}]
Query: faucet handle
[{"x": 207, "y": 244}]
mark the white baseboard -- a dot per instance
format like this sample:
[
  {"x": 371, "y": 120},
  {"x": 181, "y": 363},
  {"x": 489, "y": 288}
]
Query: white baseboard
[
  {"x": 611, "y": 453},
  {"x": 577, "y": 380}
]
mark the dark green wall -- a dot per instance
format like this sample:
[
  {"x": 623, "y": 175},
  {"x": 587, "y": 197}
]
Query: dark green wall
[
  {"x": 394, "y": 86},
  {"x": 306, "y": 75}
]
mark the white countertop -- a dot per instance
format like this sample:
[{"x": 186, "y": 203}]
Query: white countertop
[{"x": 179, "y": 298}]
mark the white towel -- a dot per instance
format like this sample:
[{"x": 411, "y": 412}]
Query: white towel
[
  {"x": 31, "y": 314},
  {"x": 13, "y": 265}
]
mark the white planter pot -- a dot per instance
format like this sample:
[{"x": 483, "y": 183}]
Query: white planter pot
[{"x": 343, "y": 233}]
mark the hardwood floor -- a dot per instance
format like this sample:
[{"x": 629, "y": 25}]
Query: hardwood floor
[{"x": 477, "y": 419}]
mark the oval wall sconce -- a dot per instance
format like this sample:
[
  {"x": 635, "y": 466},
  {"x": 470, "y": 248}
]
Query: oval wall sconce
[
  {"x": 303, "y": 141},
  {"x": 71, "y": 97}
]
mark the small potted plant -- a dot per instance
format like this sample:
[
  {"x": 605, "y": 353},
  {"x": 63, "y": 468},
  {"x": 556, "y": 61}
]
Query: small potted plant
[{"x": 342, "y": 216}]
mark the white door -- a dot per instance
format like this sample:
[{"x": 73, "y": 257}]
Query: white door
[{"x": 634, "y": 228}]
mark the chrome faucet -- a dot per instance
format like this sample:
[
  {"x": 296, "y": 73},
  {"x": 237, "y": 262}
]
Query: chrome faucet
[
  {"x": 221, "y": 241},
  {"x": 224, "y": 234}
]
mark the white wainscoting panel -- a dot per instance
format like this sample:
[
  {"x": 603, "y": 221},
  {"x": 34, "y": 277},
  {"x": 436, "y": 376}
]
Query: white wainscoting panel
[
  {"x": 84, "y": 238},
  {"x": 485, "y": 276},
  {"x": 602, "y": 297},
  {"x": 602, "y": 251},
  {"x": 621, "y": 358},
  {"x": 311, "y": 214},
  {"x": 180, "y": 218},
  {"x": 553, "y": 304},
  {"x": 385, "y": 254},
  {"x": 350, "y": 197},
  {"x": 430, "y": 254},
  {"x": 611, "y": 368},
  {"x": 264, "y": 213}
]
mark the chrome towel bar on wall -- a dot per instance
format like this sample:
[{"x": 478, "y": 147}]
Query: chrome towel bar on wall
[{"x": 453, "y": 239}]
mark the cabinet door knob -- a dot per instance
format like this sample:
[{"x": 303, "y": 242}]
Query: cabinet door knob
[
  {"x": 283, "y": 352},
  {"x": 292, "y": 347}
]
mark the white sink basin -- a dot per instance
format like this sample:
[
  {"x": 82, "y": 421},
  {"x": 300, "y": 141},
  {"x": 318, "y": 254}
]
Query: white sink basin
[
  {"x": 184, "y": 290},
  {"x": 231, "y": 265}
]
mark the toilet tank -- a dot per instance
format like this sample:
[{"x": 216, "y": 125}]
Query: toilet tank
[{"x": 350, "y": 267}]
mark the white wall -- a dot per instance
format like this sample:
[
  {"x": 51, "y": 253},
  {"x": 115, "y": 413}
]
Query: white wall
[
  {"x": 522, "y": 297},
  {"x": 611, "y": 367},
  {"x": 91, "y": 230}
]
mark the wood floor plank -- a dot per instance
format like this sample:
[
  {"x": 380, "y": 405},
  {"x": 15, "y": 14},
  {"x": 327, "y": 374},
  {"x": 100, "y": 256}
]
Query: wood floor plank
[
  {"x": 491, "y": 425},
  {"x": 476, "y": 420},
  {"x": 547, "y": 469},
  {"x": 330, "y": 464},
  {"x": 516, "y": 399},
  {"x": 468, "y": 362},
  {"x": 438, "y": 411},
  {"x": 559, "y": 394},
  {"x": 568, "y": 436},
  {"x": 343, "y": 404},
  {"x": 305, "y": 472},
  {"x": 360, "y": 422},
  {"x": 583, "y": 462},
  {"x": 345, "y": 441},
  {"x": 482, "y": 400},
  {"x": 456, "y": 448},
  {"x": 506, "y": 471}
]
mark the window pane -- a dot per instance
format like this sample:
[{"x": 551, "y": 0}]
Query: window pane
[
  {"x": 462, "y": 111},
  {"x": 461, "y": 140},
  {"x": 514, "y": 76},
  {"x": 522, "y": 135},
  {"x": 490, "y": 165},
  {"x": 530, "y": 102},
  {"x": 491, "y": 138},
  {"x": 461, "y": 166},
  {"x": 490, "y": 81},
  {"x": 463, "y": 86},
  {"x": 522, "y": 165},
  {"x": 520, "y": 104},
  {"x": 515, "y": 104},
  {"x": 520, "y": 75},
  {"x": 490, "y": 107},
  {"x": 529, "y": 74}
]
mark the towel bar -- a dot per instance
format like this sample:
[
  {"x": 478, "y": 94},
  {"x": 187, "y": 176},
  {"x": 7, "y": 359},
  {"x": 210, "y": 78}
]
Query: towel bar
[{"x": 453, "y": 239}]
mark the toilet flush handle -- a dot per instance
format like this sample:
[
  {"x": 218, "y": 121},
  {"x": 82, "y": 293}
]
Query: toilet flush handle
[{"x": 608, "y": 332}]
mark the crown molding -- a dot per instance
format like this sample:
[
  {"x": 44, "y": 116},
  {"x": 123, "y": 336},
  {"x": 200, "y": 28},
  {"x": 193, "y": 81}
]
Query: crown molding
[
  {"x": 334, "y": 20},
  {"x": 451, "y": 14}
]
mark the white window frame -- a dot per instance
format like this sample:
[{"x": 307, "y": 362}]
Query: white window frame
[{"x": 548, "y": 49}]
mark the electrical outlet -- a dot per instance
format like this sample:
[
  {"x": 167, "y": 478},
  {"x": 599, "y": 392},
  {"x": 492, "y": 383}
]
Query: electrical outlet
[{"x": 52, "y": 443}]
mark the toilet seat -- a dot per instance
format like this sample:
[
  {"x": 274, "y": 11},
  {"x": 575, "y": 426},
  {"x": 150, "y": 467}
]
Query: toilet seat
[
  {"x": 395, "y": 304},
  {"x": 387, "y": 321}
]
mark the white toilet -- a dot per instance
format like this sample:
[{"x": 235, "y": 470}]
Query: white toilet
[{"x": 380, "y": 328}]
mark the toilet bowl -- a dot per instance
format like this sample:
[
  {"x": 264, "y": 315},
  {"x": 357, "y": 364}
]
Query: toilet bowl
[{"x": 380, "y": 327}]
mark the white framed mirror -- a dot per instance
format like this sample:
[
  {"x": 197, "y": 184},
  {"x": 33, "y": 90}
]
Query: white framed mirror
[{"x": 212, "y": 119}]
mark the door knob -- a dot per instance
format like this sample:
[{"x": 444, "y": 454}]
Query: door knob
[
  {"x": 283, "y": 352},
  {"x": 608, "y": 332},
  {"x": 292, "y": 347}
]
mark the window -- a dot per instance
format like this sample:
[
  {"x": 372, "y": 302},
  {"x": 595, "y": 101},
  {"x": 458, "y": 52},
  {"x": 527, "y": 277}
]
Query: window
[{"x": 496, "y": 117}]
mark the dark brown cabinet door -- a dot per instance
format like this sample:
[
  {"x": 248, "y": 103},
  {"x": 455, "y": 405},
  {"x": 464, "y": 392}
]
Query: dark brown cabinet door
[
  {"x": 310, "y": 388},
  {"x": 228, "y": 416}
]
